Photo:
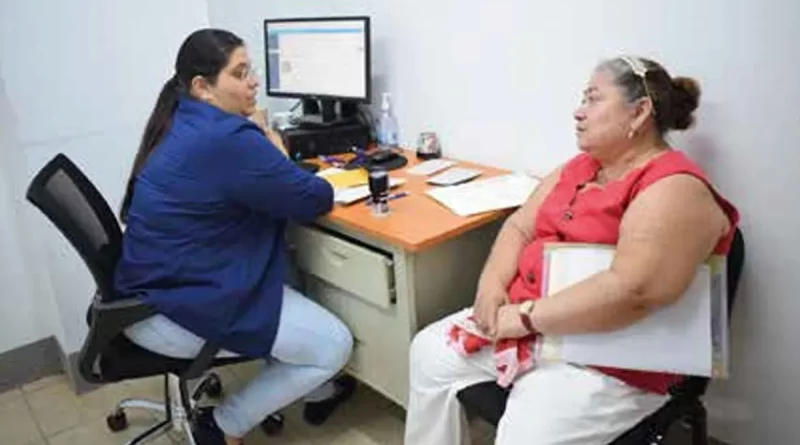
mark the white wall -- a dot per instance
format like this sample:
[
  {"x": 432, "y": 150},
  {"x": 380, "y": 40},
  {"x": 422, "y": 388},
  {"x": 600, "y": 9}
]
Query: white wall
[
  {"x": 80, "y": 78},
  {"x": 499, "y": 80},
  {"x": 25, "y": 300}
]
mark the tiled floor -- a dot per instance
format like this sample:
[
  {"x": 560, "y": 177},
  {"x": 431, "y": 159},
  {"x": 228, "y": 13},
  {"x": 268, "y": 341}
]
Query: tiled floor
[{"x": 47, "y": 412}]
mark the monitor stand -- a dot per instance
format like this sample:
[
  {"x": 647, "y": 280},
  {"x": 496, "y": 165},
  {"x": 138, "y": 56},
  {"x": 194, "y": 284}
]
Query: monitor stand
[{"x": 323, "y": 114}]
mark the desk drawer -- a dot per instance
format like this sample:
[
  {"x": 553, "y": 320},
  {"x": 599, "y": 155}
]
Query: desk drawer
[
  {"x": 367, "y": 274},
  {"x": 381, "y": 338}
]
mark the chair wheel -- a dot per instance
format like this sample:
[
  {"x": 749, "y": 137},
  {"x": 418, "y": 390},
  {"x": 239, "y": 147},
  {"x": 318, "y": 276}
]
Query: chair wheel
[
  {"x": 272, "y": 425},
  {"x": 213, "y": 386},
  {"x": 117, "y": 421}
]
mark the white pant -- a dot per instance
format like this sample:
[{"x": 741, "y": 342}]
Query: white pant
[
  {"x": 311, "y": 346},
  {"x": 553, "y": 404}
]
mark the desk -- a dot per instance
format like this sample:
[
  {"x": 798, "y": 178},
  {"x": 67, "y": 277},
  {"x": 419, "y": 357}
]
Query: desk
[{"x": 387, "y": 278}]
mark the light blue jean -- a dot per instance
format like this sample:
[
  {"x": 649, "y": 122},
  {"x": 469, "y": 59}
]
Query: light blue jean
[{"x": 311, "y": 346}]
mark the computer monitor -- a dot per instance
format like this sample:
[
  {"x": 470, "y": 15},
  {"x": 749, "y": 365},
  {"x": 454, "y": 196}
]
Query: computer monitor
[{"x": 325, "y": 59}]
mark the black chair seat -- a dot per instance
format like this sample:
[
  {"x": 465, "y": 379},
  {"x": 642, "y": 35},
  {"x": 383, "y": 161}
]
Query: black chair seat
[
  {"x": 125, "y": 360},
  {"x": 487, "y": 400}
]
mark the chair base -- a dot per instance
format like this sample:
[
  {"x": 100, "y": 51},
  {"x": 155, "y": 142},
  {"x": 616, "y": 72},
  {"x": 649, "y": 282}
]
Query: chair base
[{"x": 178, "y": 408}]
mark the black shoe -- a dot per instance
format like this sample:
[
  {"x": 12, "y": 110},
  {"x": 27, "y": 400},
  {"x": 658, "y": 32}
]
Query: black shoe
[
  {"x": 205, "y": 429},
  {"x": 316, "y": 413}
]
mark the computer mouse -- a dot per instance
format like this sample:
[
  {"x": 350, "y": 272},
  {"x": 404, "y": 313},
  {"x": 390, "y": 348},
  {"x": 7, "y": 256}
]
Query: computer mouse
[
  {"x": 308, "y": 166},
  {"x": 382, "y": 156}
]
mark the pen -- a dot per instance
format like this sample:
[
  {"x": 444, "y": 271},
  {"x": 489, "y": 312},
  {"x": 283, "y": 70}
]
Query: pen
[
  {"x": 397, "y": 195},
  {"x": 393, "y": 196},
  {"x": 332, "y": 160}
]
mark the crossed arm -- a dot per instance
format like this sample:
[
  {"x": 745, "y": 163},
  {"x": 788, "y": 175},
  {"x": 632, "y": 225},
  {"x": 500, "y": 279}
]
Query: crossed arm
[{"x": 666, "y": 232}]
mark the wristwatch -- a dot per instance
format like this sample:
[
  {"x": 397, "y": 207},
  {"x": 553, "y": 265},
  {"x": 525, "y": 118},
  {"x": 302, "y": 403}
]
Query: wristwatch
[{"x": 525, "y": 310}]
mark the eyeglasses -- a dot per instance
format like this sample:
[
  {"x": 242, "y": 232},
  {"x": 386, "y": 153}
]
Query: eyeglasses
[
  {"x": 640, "y": 70},
  {"x": 247, "y": 74}
]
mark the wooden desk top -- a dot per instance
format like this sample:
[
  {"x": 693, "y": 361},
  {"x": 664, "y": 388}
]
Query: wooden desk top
[{"x": 417, "y": 221}]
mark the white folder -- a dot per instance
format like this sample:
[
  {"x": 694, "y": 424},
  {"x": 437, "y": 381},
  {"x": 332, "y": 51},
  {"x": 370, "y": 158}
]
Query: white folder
[{"x": 689, "y": 337}]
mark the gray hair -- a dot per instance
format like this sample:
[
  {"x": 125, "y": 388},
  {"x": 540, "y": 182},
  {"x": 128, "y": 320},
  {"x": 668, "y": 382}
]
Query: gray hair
[{"x": 674, "y": 100}]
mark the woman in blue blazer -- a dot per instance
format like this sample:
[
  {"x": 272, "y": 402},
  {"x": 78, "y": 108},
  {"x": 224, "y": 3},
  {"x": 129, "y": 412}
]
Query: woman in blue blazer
[{"x": 206, "y": 209}]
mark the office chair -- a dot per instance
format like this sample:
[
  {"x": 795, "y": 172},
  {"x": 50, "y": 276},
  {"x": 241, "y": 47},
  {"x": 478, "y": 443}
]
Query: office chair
[
  {"x": 67, "y": 197},
  {"x": 487, "y": 400}
]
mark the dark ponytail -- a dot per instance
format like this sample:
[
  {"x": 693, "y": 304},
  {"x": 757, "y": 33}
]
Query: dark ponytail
[
  {"x": 158, "y": 124},
  {"x": 204, "y": 53}
]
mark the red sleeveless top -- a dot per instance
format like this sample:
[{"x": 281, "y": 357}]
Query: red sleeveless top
[{"x": 594, "y": 216}]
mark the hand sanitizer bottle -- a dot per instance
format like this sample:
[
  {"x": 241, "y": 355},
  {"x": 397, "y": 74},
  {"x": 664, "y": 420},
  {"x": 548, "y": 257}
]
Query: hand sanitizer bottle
[{"x": 387, "y": 126}]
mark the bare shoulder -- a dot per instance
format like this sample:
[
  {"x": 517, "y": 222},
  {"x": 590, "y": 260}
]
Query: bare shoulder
[
  {"x": 667, "y": 231},
  {"x": 678, "y": 202}
]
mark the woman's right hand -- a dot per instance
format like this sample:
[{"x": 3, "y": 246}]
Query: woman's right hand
[{"x": 487, "y": 303}]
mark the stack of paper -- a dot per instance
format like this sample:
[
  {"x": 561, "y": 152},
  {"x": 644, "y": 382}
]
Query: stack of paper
[
  {"x": 345, "y": 178},
  {"x": 430, "y": 166},
  {"x": 350, "y": 186},
  {"x": 454, "y": 176},
  {"x": 350, "y": 195},
  {"x": 499, "y": 192},
  {"x": 687, "y": 337}
]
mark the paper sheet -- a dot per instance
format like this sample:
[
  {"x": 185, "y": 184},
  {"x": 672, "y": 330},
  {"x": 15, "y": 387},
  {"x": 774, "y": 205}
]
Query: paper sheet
[
  {"x": 430, "y": 167},
  {"x": 347, "y": 178},
  {"x": 350, "y": 195},
  {"x": 483, "y": 195},
  {"x": 675, "y": 339}
]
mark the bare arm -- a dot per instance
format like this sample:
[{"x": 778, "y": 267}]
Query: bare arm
[
  {"x": 666, "y": 233},
  {"x": 501, "y": 265},
  {"x": 516, "y": 233}
]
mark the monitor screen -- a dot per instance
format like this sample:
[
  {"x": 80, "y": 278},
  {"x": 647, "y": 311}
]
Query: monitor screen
[{"x": 320, "y": 58}]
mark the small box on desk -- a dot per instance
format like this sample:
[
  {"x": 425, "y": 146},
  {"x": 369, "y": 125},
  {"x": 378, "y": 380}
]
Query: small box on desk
[{"x": 310, "y": 142}]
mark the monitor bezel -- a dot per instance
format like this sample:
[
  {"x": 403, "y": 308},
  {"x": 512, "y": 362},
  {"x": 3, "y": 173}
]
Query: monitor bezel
[{"x": 367, "y": 67}]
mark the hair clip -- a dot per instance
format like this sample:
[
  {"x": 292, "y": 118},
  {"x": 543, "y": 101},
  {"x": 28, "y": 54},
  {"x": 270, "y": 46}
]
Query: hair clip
[{"x": 636, "y": 65}]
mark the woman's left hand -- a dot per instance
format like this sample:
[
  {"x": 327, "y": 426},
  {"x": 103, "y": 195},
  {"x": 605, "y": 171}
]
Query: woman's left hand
[
  {"x": 260, "y": 118},
  {"x": 509, "y": 324}
]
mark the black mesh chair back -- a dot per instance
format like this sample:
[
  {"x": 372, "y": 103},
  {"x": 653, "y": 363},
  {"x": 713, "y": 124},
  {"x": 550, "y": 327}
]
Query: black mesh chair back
[{"x": 71, "y": 202}]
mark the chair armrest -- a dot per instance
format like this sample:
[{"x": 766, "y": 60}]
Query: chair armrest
[
  {"x": 107, "y": 320},
  {"x": 201, "y": 362},
  {"x": 110, "y": 319},
  {"x": 115, "y": 316}
]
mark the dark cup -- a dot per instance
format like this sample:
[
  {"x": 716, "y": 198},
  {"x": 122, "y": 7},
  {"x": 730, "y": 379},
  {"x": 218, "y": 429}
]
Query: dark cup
[
  {"x": 378, "y": 184},
  {"x": 379, "y": 189}
]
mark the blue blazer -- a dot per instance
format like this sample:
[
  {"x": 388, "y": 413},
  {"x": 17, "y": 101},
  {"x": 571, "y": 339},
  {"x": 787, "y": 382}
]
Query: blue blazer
[{"x": 204, "y": 241}]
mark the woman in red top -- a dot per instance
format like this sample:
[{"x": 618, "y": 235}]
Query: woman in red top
[{"x": 627, "y": 188}]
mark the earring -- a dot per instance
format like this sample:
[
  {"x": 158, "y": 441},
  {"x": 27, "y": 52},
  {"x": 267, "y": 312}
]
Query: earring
[{"x": 631, "y": 133}]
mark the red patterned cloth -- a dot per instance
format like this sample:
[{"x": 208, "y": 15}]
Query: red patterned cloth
[{"x": 512, "y": 357}]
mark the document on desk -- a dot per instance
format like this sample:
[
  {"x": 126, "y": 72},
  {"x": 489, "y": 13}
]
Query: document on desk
[
  {"x": 484, "y": 195},
  {"x": 346, "y": 178},
  {"x": 349, "y": 195},
  {"x": 688, "y": 337},
  {"x": 430, "y": 167}
]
